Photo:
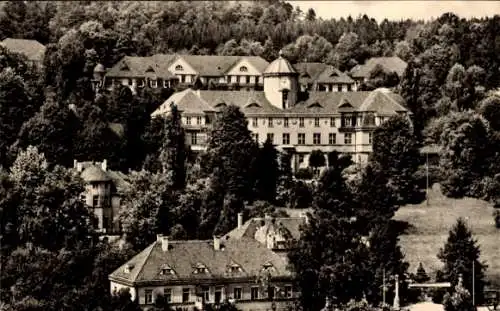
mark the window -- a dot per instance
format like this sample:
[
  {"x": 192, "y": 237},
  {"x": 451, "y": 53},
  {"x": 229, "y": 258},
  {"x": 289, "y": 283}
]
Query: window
[
  {"x": 167, "y": 293},
  {"x": 317, "y": 138},
  {"x": 194, "y": 138},
  {"x": 237, "y": 293},
  {"x": 255, "y": 137},
  {"x": 370, "y": 138},
  {"x": 270, "y": 293},
  {"x": 332, "y": 138},
  {"x": 285, "y": 122},
  {"x": 285, "y": 99},
  {"x": 339, "y": 88},
  {"x": 348, "y": 138},
  {"x": 301, "y": 138},
  {"x": 348, "y": 88},
  {"x": 185, "y": 294},
  {"x": 288, "y": 291},
  {"x": 243, "y": 69},
  {"x": 254, "y": 293},
  {"x": 348, "y": 121},
  {"x": 141, "y": 83},
  {"x": 270, "y": 137},
  {"x": 148, "y": 296},
  {"x": 183, "y": 78},
  {"x": 207, "y": 120},
  {"x": 301, "y": 122},
  {"x": 95, "y": 200},
  {"x": 166, "y": 84},
  {"x": 179, "y": 68},
  {"x": 206, "y": 293},
  {"x": 316, "y": 122},
  {"x": 94, "y": 186},
  {"x": 301, "y": 158},
  {"x": 286, "y": 139},
  {"x": 248, "y": 79},
  {"x": 218, "y": 295},
  {"x": 255, "y": 122},
  {"x": 153, "y": 84},
  {"x": 332, "y": 122},
  {"x": 198, "y": 120},
  {"x": 270, "y": 122},
  {"x": 188, "y": 120}
]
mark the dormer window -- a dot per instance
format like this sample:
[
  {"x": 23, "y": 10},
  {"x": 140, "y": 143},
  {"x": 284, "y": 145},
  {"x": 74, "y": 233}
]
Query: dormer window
[
  {"x": 243, "y": 69},
  {"x": 153, "y": 83},
  {"x": 179, "y": 68},
  {"x": 267, "y": 265},
  {"x": 150, "y": 69},
  {"x": 128, "y": 268},
  {"x": 200, "y": 268},
  {"x": 124, "y": 67},
  {"x": 166, "y": 270},
  {"x": 234, "y": 268}
]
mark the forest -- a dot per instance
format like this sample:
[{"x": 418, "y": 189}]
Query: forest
[{"x": 50, "y": 116}]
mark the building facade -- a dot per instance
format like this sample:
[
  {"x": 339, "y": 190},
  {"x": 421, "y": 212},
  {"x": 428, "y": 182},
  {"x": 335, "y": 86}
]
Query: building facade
[
  {"x": 327, "y": 121},
  {"x": 194, "y": 273},
  {"x": 101, "y": 193}
]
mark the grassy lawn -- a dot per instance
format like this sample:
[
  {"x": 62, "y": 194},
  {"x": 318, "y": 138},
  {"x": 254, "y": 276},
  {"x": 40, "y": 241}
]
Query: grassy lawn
[{"x": 429, "y": 226}]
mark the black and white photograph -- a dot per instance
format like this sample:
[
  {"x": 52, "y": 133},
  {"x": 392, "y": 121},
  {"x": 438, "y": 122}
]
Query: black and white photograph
[{"x": 260, "y": 155}]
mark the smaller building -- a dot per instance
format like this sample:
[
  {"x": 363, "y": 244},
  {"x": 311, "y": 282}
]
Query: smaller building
[
  {"x": 194, "y": 273},
  {"x": 101, "y": 193},
  {"x": 323, "y": 78},
  {"x": 32, "y": 49},
  {"x": 361, "y": 73}
]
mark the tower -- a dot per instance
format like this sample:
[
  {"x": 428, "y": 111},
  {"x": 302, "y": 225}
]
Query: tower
[{"x": 281, "y": 83}]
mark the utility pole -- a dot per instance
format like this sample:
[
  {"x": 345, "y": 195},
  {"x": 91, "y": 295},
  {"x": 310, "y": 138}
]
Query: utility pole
[
  {"x": 383, "y": 287},
  {"x": 427, "y": 178},
  {"x": 473, "y": 284}
]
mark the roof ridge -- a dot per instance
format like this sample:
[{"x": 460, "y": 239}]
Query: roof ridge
[
  {"x": 144, "y": 260},
  {"x": 386, "y": 94}
]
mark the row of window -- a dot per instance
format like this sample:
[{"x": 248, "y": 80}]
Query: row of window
[
  {"x": 346, "y": 121},
  {"x": 205, "y": 292},
  {"x": 301, "y": 138},
  {"x": 198, "y": 120}
]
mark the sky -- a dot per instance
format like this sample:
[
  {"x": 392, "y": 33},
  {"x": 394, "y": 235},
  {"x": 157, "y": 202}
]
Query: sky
[{"x": 396, "y": 10}]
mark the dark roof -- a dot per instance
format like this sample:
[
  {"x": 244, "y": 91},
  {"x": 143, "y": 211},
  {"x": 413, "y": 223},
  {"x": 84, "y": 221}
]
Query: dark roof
[
  {"x": 389, "y": 64},
  {"x": 182, "y": 257},
  {"x": 214, "y": 65},
  {"x": 382, "y": 101},
  {"x": 320, "y": 72},
  {"x": 249, "y": 228},
  {"x": 138, "y": 67},
  {"x": 94, "y": 173},
  {"x": 333, "y": 75},
  {"x": 32, "y": 49},
  {"x": 158, "y": 64}
]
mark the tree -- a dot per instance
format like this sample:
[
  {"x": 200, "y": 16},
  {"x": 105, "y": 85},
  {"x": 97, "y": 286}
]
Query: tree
[
  {"x": 311, "y": 15},
  {"x": 146, "y": 208},
  {"x": 396, "y": 154},
  {"x": 459, "y": 255},
  {"x": 266, "y": 172},
  {"x": 173, "y": 152},
  {"x": 317, "y": 159},
  {"x": 308, "y": 49},
  {"x": 347, "y": 51},
  {"x": 490, "y": 110},
  {"x": 421, "y": 276},
  {"x": 52, "y": 130},
  {"x": 231, "y": 153},
  {"x": 459, "y": 300},
  {"x": 51, "y": 213}
]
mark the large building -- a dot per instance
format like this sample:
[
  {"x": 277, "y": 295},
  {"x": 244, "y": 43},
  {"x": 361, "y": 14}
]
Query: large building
[
  {"x": 193, "y": 273},
  {"x": 101, "y": 193},
  {"x": 325, "y": 120},
  {"x": 361, "y": 73}
]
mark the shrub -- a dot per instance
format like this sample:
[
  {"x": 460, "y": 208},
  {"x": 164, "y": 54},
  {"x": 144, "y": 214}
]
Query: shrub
[
  {"x": 496, "y": 217},
  {"x": 304, "y": 173}
]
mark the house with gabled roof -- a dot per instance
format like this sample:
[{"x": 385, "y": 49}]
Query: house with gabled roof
[
  {"x": 33, "y": 50},
  {"x": 327, "y": 121},
  {"x": 191, "y": 274},
  {"x": 323, "y": 77},
  {"x": 361, "y": 73}
]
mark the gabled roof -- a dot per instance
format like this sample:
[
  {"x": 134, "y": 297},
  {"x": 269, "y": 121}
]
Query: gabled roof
[
  {"x": 187, "y": 101},
  {"x": 182, "y": 256},
  {"x": 241, "y": 99},
  {"x": 333, "y": 75},
  {"x": 250, "y": 227},
  {"x": 280, "y": 66},
  {"x": 32, "y": 49},
  {"x": 215, "y": 65},
  {"x": 134, "y": 66},
  {"x": 389, "y": 64},
  {"x": 309, "y": 72},
  {"x": 383, "y": 101}
]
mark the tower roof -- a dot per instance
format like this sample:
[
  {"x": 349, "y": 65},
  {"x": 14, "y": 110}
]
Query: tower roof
[{"x": 280, "y": 66}]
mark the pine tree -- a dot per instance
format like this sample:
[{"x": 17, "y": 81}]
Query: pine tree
[
  {"x": 266, "y": 172},
  {"x": 421, "y": 276},
  {"x": 173, "y": 151},
  {"x": 459, "y": 255}
]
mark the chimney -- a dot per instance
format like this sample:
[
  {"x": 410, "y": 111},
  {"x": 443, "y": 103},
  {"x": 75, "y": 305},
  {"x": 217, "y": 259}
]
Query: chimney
[
  {"x": 75, "y": 163},
  {"x": 216, "y": 243},
  {"x": 163, "y": 240},
  {"x": 240, "y": 220},
  {"x": 104, "y": 165}
]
